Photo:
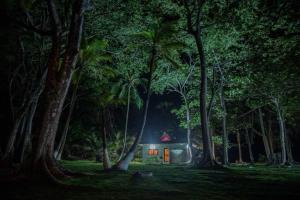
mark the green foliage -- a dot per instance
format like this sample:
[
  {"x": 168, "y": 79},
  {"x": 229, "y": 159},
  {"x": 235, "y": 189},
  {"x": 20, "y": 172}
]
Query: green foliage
[
  {"x": 82, "y": 144},
  {"x": 93, "y": 51},
  {"x": 217, "y": 139}
]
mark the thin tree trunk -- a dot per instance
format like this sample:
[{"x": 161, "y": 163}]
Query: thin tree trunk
[
  {"x": 212, "y": 142},
  {"x": 125, "y": 161},
  {"x": 281, "y": 131},
  {"x": 8, "y": 153},
  {"x": 188, "y": 122},
  {"x": 224, "y": 126},
  {"x": 270, "y": 137},
  {"x": 32, "y": 111},
  {"x": 28, "y": 131},
  {"x": 20, "y": 136},
  {"x": 19, "y": 140},
  {"x": 59, "y": 150},
  {"x": 105, "y": 155},
  {"x": 290, "y": 159},
  {"x": 247, "y": 138},
  {"x": 238, "y": 138},
  {"x": 209, "y": 113},
  {"x": 213, "y": 94},
  {"x": 126, "y": 124},
  {"x": 17, "y": 137},
  {"x": 264, "y": 137}
]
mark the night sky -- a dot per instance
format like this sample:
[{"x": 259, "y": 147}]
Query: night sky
[{"x": 159, "y": 119}]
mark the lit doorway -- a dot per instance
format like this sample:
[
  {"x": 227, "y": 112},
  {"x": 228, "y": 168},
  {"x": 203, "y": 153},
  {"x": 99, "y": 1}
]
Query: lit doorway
[{"x": 166, "y": 155}]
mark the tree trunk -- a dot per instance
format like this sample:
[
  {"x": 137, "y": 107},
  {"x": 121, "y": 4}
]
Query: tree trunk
[
  {"x": 20, "y": 137},
  {"x": 270, "y": 137},
  {"x": 188, "y": 122},
  {"x": 264, "y": 137},
  {"x": 32, "y": 111},
  {"x": 281, "y": 131},
  {"x": 57, "y": 85},
  {"x": 126, "y": 124},
  {"x": 224, "y": 126},
  {"x": 247, "y": 138},
  {"x": 238, "y": 138},
  {"x": 105, "y": 155},
  {"x": 212, "y": 142},
  {"x": 213, "y": 94},
  {"x": 290, "y": 159},
  {"x": 125, "y": 161},
  {"x": 27, "y": 133},
  {"x": 208, "y": 159},
  {"x": 59, "y": 150},
  {"x": 8, "y": 153}
]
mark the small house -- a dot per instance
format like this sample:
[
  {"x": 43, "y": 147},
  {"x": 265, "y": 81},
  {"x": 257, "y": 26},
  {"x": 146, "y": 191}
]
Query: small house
[{"x": 165, "y": 150}]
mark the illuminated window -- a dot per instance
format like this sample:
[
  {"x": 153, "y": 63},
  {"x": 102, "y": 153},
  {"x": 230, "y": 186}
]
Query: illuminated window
[{"x": 153, "y": 152}]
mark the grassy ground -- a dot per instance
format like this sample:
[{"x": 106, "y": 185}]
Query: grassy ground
[{"x": 168, "y": 182}]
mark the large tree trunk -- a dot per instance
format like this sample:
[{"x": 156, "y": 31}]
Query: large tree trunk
[
  {"x": 126, "y": 124},
  {"x": 281, "y": 131},
  {"x": 125, "y": 161},
  {"x": 247, "y": 138},
  {"x": 57, "y": 85},
  {"x": 238, "y": 138},
  {"x": 194, "y": 28},
  {"x": 208, "y": 159},
  {"x": 264, "y": 137}
]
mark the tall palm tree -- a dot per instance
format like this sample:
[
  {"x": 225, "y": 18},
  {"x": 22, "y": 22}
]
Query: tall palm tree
[
  {"x": 160, "y": 43},
  {"x": 128, "y": 85}
]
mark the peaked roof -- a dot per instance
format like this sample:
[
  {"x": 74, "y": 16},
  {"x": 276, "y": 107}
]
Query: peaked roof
[{"x": 164, "y": 138}]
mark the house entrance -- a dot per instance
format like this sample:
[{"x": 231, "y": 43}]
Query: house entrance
[{"x": 166, "y": 155}]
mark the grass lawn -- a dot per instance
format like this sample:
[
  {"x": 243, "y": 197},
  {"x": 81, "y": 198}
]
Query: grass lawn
[{"x": 168, "y": 182}]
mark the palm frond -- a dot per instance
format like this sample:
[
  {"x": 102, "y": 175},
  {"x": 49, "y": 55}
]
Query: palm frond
[
  {"x": 150, "y": 35},
  {"x": 123, "y": 91},
  {"x": 137, "y": 99}
]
